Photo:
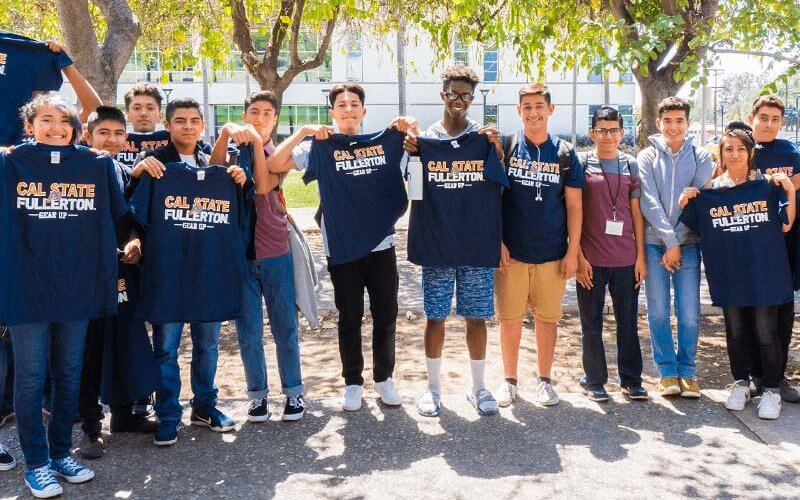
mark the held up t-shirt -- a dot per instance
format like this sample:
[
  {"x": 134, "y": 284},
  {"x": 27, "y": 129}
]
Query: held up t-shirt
[
  {"x": 741, "y": 238},
  {"x": 361, "y": 188},
  {"x": 59, "y": 247},
  {"x": 193, "y": 255},
  {"x": 534, "y": 209},
  {"x": 138, "y": 142},
  {"x": 781, "y": 155},
  {"x": 458, "y": 221},
  {"x": 26, "y": 66}
]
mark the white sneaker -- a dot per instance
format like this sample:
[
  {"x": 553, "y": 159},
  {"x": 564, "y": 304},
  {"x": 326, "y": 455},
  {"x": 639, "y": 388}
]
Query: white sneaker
[
  {"x": 506, "y": 394},
  {"x": 546, "y": 395},
  {"x": 352, "y": 397},
  {"x": 770, "y": 406},
  {"x": 483, "y": 401},
  {"x": 388, "y": 392},
  {"x": 739, "y": 396},
  {"x": 429, "y": 404}
]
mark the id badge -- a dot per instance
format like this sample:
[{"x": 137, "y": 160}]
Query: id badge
[{"x": 614, "y": 227}]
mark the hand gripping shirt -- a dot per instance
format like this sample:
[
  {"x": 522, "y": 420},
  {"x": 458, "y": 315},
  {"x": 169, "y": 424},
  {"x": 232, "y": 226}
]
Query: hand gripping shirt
[
  {"x": 458, "y": 221},
  {"x": 58, "y": 255},
  {"x": 742, "y": 243},
  {"x": 781, "y": 155},
  {"x": 26, "y": 66},
  {"x": 193, "y": 256},
  {"x": 534, "y": 208},
  {"x": 361, "y": 189}
]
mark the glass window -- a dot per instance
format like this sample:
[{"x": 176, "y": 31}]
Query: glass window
[
  {"x": 355, "y": 59},
  {"x": 626, "y": 110},
  {"x": 224, "y": 113},
  {"x": 626, "y": 77},
  {"x": 491, "y": 114},
  {"x": 595, "y": 76},
  {"x": 490, "y": 59},
  {"x": 460, "y": 52},
  {"x": 295, "y": 115}
]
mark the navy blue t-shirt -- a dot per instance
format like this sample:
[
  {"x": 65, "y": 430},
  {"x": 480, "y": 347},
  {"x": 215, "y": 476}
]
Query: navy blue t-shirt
[
  {"x": 138, "y": 142},
  {"x": 244, "y": 158},
  {"x": 361, "y": 190},
  {"x": 782, "y": 156},
  {"x": 458, "y": 221},
  {"x": 26, "y": 66},
  {"x": 193, "y": 255},
  {"x": 534, "y": 208},
  {"x": 742, "y": 243},
  {"x": 59, "y": 208}
]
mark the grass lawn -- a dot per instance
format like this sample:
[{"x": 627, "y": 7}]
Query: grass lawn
[{"x": 297, "y": 194}]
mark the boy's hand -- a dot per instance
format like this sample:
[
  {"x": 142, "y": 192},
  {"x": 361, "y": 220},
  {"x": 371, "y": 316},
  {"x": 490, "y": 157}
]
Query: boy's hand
[
  {"x": 320, "y": 132},
  {"x": 505, "y": 259},
  {"x": 132, "y": 251},
  {"x": 672, "y": 259},
  {"x": 491, "y": 133},
  {"x": 152, "y": 166},
  {"x": 54, "y": 46},
  {"x": 405, "y": 124},
  {"x": 238, "y": 175},
  {"x": 410, "y": 143}
]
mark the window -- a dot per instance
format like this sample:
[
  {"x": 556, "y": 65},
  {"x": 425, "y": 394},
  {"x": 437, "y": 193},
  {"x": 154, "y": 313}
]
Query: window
[
  {"x": 307, "y": 49},
  {"x": 490, "y": 65},
  {"x": 142, "y": 67},
  {"x": 626, "y": 77},
  {"x": 355, "y": 59},
  {"x": 460, "y": 53},
  {"x": 595, "y": 75},
  {"x": 491, "y": 114},
  {"x": 224, "y": 113},
  {"x": 295, "y": 115}
]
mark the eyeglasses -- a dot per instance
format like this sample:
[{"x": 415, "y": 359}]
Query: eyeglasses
[
  {"x": 454, "y": 96},
  {"x": 605, "y": 132}
]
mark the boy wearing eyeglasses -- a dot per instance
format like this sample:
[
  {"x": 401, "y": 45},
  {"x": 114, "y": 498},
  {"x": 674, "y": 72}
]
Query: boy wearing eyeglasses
[
  {"x": 541, "y": 239},
  {"x": 612, "y": 255}
]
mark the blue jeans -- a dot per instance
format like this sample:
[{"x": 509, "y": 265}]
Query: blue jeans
[
  {"x": 205, "y": 352},
  {"x": 686, "y": 284},
  {"x": 6, "y": 375},
  {"x": 273, "y": 279},
  {"x": 34, "y": 344}
]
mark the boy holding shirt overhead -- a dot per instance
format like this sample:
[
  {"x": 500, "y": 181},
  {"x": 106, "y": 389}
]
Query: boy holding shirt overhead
[
  {"x": 461, "y": 178},
  {"x": 361, "y": 196}
]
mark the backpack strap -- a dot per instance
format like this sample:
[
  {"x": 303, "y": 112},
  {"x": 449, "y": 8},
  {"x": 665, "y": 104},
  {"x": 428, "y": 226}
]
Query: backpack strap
[{"x": 509, "y": 143}]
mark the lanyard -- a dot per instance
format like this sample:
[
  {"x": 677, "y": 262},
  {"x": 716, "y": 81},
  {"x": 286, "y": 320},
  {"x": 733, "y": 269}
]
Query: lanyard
[{"x": 614, "y": 199}]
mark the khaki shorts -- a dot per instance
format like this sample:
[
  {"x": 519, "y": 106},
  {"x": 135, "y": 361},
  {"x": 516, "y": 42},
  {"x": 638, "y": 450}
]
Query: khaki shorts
[{"x": 537, "y": 285}]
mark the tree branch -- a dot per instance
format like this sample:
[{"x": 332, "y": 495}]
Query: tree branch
[
  {"x": 318, "y": 59},
  {"x": 123, "y": 33},
  {"x": 758, "y": 53},
  {"x": 297, "y": 20},
  {"x": 278, "y": 34},
  {"x": 241, "y": 33},
  {"x": 76, "y": 23}
]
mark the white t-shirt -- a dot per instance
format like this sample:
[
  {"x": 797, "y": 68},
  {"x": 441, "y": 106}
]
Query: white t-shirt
[{"x": 189, "y": 159}]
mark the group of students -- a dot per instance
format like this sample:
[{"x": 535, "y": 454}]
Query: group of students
[{"x": 159, "y": 227}]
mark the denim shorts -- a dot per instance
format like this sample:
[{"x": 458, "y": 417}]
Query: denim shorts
[{"x": 474, "y": 288}]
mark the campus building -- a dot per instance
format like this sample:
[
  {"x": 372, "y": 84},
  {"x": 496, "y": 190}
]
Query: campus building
[{"x": 374, "y": 65}]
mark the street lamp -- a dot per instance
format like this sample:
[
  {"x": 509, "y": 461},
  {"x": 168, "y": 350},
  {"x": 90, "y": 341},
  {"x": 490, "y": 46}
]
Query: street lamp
[
  {"x": 722, "y": 113},
  {"x": 483, "y": 93},
  {"x": 167, "y": 91},
  {"x": 325, "y": 93}
]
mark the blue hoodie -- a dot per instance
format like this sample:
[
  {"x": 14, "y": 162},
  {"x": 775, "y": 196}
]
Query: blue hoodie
[{"x": 663, "y": 177}]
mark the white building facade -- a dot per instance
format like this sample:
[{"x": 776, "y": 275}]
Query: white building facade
[{"x": 374, "y": 65}]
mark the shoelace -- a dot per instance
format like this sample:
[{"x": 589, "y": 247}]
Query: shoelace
[
  {"x": 44, "y": 476},
  {"x": 3, "y": 449},
  {"x": 294, "y": 401},
  {"x": 69, "y": 465},
  {"x": 547, "y": 388},
  {"x": 255, "y": 403}
]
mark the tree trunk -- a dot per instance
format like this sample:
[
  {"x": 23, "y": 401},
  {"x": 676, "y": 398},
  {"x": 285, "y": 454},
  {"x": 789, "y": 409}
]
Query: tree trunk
[
  {"x": 653, "y": 90},
  {"x": 100, "y": 64}
]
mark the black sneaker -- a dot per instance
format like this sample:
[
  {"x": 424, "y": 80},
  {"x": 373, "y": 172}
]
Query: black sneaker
[
  {"x": 789, "y": 393},
  {"x": 167, "y": 433},
  {"x": 597, "y": 393},
  {"x": 127, "y": 422},
  {"x": 258, "y": 411},
  {"x": 209, "y": 416},
  {"x": 295, "y": 408},
  {"x": 637, "y": 392},
  {"x": 92, "y": 446},
  {"x": 7, "y": 461}
]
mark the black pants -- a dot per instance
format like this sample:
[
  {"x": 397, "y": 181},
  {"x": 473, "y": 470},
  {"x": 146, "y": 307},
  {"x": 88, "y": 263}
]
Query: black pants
[
  {"x": 377, "y": 272},
  {"x": 89, "y": 409},
  {"x": 625, "y": 298},
  {"x": 785, "y": 315},
  {"x": 747, "y": 327}
]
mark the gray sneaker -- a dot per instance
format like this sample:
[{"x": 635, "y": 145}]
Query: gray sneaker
[
  {"x": 546, "y": 395},
  {"x": 429, "y": 404},
  {"x": 789, "y": 393},
  {"x": 483, "y": 401}
]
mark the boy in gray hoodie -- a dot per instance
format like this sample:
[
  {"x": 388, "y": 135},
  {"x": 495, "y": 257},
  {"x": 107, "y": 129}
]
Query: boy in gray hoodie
[{"x": 670, "y": 165}]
